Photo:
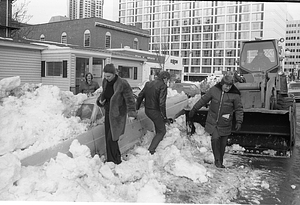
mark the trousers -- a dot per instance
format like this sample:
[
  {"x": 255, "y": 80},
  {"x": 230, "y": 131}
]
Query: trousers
[
  {"x": 218, "y": 145},
  {"x": 112, "y": 147},
  {"x": 160, "y": 128}
]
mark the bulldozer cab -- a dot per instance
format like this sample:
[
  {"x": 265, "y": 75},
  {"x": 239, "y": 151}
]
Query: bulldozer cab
[{"x": 259, "y": 56}]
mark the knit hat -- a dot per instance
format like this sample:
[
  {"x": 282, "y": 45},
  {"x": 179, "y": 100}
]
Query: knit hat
[
  {"x": 109, "y": 68},
  {"x": 227, "y": 79}
]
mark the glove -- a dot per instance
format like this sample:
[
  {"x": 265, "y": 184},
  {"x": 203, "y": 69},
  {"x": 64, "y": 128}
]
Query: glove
[
  {"x": 191, "y": 113},
  {"x": 100, "y": 103},
  {"x": 130, "y": 119},
  {"x": 167, "y": 121},
  {"x": 238, "y": 126}
]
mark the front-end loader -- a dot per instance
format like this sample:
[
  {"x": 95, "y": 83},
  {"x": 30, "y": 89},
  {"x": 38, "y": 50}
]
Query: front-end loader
[{"x": 269, "y": 126}]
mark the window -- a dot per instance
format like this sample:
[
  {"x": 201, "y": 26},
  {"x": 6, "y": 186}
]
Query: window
[
  {"x": 42, "y": 37},
  {"x": 206, "y": 70},
  {"x": 87, "y": 38},
  {"x": 175, "y": 38},
  {"x": 257, "y": 16},
  {"x": 256, "y": 26},
  {"x": 244, "y": 35},
  {"x": 195, "y": 61},
  {"x": 185, "y": 38},
  {"x": 176, "y": 14},
  {"x": 231, "y": 18},
  {"x": 245, "y": 17},
  {"x": 244, "y": 26},
  {"x": 196, "y": 45},
  {"x": 127, "y": 72},
  {"x": 54, "y": 68},
  {"x": 107, "y": 40},
  {"x": 196, "y": 29},
  {"x": 207, "y": 36},
  {"x": 257, "y": 7},
  {"x": 206, "y": 53},
  {"x": 219, "y": 36},
  {"x": 220, "y": 19},
  {"x": 206, "y": 61},
  {"x": 219, "y": 44},
  {"x": 230, "y": 44},
  {"x": 196, "y": 37},
  {"x": 245, "y": 8},
  {"x": 230, "y": 53},
  {"x": 218, "y": 61},
  {"x": 207, "y": 44},
  {"x": 64, "y": 37},
  {"x": 231, "y": 35},
  {"x": 231, "y": 27},
  {"x": 136, "y": 44},
  {"x": 229, "y": 61},
  {"x": 175, "y": 22},
  {"x": 218, "y": 53},
  {"x": 220, "y": 10},
  {"x": 185, "y": 45},
  {"x": 220, "y": 27},
  {"x": 186, "y": 30}
]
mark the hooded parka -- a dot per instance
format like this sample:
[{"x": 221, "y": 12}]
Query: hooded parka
[{"x": 221, "y": 109}]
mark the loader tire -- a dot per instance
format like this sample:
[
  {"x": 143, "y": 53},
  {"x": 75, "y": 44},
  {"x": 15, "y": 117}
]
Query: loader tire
[{"x": 284, "y": 103}]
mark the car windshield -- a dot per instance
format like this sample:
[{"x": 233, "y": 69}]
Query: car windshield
[{"x": 294, "y": 86}]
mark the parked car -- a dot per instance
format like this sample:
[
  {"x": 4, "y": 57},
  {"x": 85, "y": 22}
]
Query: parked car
[
  {"x": 189, "y": 89},
  {"x": 294, "y": 89}
]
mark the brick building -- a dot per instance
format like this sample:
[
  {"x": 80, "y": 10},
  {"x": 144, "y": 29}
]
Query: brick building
[{"x": 90, "y": 32}]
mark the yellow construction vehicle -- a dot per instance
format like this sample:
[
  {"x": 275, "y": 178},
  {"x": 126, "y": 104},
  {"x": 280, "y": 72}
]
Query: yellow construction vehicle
[{"x": 269, "y": 126}]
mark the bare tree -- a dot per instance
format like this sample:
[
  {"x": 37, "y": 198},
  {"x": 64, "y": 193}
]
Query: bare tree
[{"x": 19, "y": 13}]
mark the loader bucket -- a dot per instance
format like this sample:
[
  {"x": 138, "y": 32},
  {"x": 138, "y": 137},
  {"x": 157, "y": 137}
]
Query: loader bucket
[{"x": 263, "y": 132}]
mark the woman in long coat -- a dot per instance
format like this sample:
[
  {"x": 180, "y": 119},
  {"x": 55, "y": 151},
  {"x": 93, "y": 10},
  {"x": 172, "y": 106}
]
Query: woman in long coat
[{"x": 118, "y": 101}]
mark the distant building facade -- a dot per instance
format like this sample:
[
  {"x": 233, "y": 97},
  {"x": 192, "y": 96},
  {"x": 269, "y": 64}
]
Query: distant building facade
[
  {"x": 78, "y": 9},
  {"x": 292, "y": 43},
  {"x": 206, "y": 34}
]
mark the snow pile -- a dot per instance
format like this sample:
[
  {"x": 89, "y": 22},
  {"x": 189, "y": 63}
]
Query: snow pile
[
  {"x": 208, "y": 82},
  {"x": 86, "y": 178},
  {"x": 8, "y": 84},
  {"x": 36, "y": 117}
]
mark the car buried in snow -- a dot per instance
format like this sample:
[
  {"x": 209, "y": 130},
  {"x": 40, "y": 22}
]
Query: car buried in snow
[
  {"x": 294, "y": 89},
  {"x": 189, "y": 89}
]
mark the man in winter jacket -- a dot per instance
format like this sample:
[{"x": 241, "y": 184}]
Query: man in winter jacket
[
  {"x": 224, "y": 100},
  {"x": 155, "y": 94}
]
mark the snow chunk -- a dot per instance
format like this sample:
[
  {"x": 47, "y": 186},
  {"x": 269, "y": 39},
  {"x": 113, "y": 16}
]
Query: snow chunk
[
  {"x": 79, "y": 150},
  {"x": 181, "y": 167},
  {"x": 10, "y": 167}
]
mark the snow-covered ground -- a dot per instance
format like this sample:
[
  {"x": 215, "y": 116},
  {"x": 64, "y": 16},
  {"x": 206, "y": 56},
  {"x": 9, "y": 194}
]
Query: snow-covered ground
[{"x": 181, "y": 171}]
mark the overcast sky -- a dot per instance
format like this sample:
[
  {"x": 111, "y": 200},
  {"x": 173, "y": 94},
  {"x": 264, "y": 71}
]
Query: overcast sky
[{"x": 43, "y": 10}]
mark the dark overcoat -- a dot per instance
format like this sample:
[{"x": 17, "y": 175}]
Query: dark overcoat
[
  {"x": 221, "y": 109},
  {"x": 121, "y": 103}
]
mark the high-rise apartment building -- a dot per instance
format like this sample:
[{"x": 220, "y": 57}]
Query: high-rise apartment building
[
  {"x": 78, "y": 9},
  {"x": 206, "y": 34},
  {"x": 292, "y": 43}
]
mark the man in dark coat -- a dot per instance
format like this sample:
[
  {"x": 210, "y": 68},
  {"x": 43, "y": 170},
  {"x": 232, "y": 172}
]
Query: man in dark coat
[
  {"x": 261, "y": 61},
  {"x": 224, "y": 100},
  {"x": 155, "y": 94},
  {"x": 118, "y": 101}
]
